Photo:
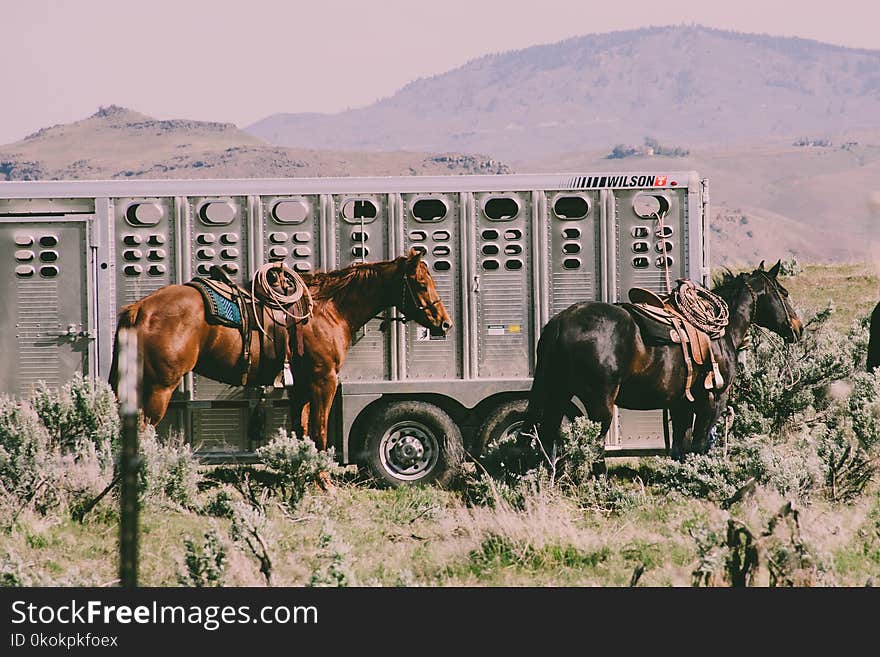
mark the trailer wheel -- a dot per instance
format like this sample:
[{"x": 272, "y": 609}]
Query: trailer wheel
[
  {"x": 503, "y": 421},
  {"x": 409, "y": 442}
]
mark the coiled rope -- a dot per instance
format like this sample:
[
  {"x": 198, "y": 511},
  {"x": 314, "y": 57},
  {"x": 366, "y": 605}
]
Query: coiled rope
[
  {"x": 702, "y": 308},
  {"x": 276, "y": 299}
]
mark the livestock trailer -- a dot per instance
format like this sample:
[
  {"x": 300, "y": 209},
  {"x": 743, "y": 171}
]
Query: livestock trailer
[{"x": 506, "y": 251}]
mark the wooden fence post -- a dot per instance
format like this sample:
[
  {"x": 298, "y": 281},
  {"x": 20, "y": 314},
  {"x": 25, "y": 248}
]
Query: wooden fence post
[{"x": 128, "y": 390}]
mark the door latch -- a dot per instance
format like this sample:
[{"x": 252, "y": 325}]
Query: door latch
[{"x": 73, "y": 332}]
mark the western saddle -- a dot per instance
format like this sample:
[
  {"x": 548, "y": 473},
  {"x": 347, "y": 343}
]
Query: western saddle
[
  {"x": 259, "y": 311},
  {"x": 662, "y": 322}
]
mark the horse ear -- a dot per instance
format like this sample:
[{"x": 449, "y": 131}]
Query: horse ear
[
  {"x": 761, "y": 266},
  {"x": 774, "y": 270},
  {"x": 412, "y": 260}
]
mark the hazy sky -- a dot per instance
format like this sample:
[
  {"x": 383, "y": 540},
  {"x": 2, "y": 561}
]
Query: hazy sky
[{"x": 241, "y": 60}]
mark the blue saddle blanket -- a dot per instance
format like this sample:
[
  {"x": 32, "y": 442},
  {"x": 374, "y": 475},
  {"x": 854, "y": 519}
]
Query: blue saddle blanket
[{"x": 218, "y": 309}]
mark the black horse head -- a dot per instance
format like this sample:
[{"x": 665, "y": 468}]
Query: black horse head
[{"x": 773, "y": 309}]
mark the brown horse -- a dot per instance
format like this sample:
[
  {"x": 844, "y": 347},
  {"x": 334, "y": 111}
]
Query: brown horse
[
  {"x": 175, "y": 338},
  {"x": 345, "y": 300}
]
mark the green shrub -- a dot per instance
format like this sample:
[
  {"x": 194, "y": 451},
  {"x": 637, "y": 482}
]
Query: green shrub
[
  {"x": 15, "y": 572},
  {"x": 863, "y": 408},
  {"x": 846, "y": 467},
  {"x": 251, "y": 532},
  {"x": 170, "y": 470},
  {"x": 296, "y": 463},
  {"x": 778, "y": 383},
  {"x": 334, "y": 555},
  {"x": 219, "y": 505},
  {"x": 205, "y": 564},
  {"x": 582, "y": 450},
  {"x": 24, "y": 445},
  {"x": 41, "y": 471},
  {"x": 81, "y": 409}
]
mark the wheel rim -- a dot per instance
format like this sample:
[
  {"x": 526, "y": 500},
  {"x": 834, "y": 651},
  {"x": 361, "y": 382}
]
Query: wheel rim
[
  {"x": 409, "y": 450},
  {"x": 511, "y": 431}
]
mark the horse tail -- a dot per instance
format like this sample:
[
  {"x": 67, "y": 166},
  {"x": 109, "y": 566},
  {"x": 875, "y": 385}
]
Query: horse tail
[
  {"x": 127, "y": 318},
  {"x": 874, "y": 340},
  {"x": 539, "y": 395}
]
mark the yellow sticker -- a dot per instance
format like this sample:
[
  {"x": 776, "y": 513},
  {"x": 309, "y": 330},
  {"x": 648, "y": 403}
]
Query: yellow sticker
[{"x": 514, "y": 328}]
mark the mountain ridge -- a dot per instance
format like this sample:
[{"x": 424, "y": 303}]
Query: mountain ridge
[{"x": 688, "y": 84}]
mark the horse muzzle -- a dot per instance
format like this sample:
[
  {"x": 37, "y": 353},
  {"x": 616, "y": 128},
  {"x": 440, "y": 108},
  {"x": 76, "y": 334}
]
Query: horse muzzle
[{"x": 797, "y": 331}]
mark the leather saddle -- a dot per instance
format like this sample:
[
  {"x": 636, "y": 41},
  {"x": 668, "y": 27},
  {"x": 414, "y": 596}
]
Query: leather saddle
[
  {"x": 661, "y": 323},
  {"x": 229, "y": 304}
]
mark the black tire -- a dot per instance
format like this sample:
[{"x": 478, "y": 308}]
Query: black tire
[
  {"x": 412, "y": 442},
  {"x": 502, "y": 420}
]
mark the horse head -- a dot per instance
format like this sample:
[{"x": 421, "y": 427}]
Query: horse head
[
  {"x": 420, "y": 301},
  {"x": 773, "y": 309}
]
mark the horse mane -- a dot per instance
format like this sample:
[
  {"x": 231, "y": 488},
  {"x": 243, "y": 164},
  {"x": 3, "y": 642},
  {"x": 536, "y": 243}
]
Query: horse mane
[
  {"x": 727, "y": 279},
  {"x": 327, "y": 284}
]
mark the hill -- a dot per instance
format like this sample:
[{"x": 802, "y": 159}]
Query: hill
[
  {"x": 773, "y": 199},
  {"x": 119, "y": 143},
  {"x": 685, "y": 85}
]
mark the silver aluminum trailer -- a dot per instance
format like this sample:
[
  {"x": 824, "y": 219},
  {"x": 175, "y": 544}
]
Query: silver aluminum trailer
[{"x": 507, "y": 252}]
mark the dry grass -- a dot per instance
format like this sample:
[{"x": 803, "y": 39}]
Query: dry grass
[{"x": 428, "y": 537}]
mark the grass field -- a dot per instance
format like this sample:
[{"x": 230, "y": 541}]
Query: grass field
[{"x": 625, "y": 531}]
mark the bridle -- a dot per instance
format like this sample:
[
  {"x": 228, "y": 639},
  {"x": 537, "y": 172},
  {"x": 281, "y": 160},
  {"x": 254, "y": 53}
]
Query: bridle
[
  {"x": 407, "y": 294},
  {"x": 774, "y": 287}
]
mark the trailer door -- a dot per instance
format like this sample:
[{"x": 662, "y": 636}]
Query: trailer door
[{"x": 44, "y": 324}]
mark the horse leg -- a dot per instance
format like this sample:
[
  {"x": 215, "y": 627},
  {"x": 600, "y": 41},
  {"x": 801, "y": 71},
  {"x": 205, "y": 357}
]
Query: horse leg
[
  {"x": 682, "y": 419},
  {"x": 156, "y": 399},
  {"x": 299, "y": 417},
  {"x": 600, "y": 408},
  {"x": 323, "y": 390},
  {"x": 707, "y": 416}
]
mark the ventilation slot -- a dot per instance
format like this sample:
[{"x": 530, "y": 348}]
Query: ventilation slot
[
  {"x": 571, "y": 207},
  {"x": 357, "y": 210},
  {"x": 429, "y": 209}
]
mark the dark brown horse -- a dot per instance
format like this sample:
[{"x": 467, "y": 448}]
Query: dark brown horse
[
  {"x": 874, "y": 340},
  {"x": 175, "y": 338},
  {"x": 594, "y": 351}
]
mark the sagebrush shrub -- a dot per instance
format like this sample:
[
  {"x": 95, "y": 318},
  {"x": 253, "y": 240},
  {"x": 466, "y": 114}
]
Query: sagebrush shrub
[
  {"x": 778, "y": 382},
  {"x": 40, "y": 470},
  {"x": 204, "y": 565},
  {"x": 82, "y": 409},
  {"x": 170, "y": 469},
  {"x": 296, "y": 463},
  {"x": 334, "y": 555},
  {"x": 581, "y": 450}
]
